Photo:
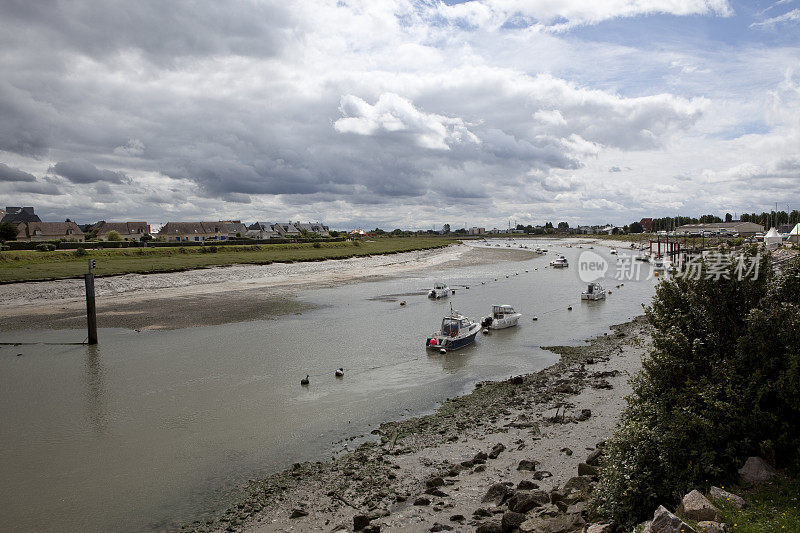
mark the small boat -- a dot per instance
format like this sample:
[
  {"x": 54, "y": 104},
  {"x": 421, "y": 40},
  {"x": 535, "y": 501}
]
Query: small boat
[
  {"x": 304, "y": 381},
  {"x": 658, "y": 264},
  {"x": 439, "y": 290},
  {"x": 613, "y": 251},
  {"x": 561, "y": 262},
  {"x": 456, "y": 332},
  {"x": 503, "y": 316},
  {"x": 339, "y": 372},
  {"x": 594, "y": 291},
  {"x": 538, "y": 251}
]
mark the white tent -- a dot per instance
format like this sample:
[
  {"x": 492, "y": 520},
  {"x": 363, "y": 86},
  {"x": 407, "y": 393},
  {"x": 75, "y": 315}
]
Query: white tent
[
  {"x": 794, "y": 235},
  {"x": 772, "y": 239}
]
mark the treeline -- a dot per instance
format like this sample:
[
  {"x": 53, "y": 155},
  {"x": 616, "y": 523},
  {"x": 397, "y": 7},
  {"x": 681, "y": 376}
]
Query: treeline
[{"x": 765, "y": 219}]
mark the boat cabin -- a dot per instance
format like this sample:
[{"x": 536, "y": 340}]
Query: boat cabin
[
  {"x": 439, "y": 286},
  {"x": 499, "y": 311},
  {"x": 452, "y": 325}
]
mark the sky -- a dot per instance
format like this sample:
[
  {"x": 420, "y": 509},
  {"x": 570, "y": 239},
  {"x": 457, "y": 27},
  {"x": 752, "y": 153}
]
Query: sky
[{"x": 399, "y": 113}]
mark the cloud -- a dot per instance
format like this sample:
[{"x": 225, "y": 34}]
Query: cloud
[
  {"x": 615, "y": 168},
  {"x": 12, "y": 174},
  {"x": 134, "y": 147},
  {"x": 789, "y": 17},
  {"x": 82, "y": 171},
  {"x": 396, "y": 116}
]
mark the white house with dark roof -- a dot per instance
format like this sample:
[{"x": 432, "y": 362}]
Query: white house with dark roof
[{"x": 128, "y": 231}]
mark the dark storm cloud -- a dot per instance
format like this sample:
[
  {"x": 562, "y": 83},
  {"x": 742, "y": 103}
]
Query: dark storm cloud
[
  {"x": 22, "y": 130},
  {"x": 162, "y": 31},
  {"x": 82, "y": 171},
  {"x": 44, "y": 188},
  {"x": 8, "y": 173}
]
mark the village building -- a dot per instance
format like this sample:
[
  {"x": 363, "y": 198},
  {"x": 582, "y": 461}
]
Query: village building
[
  {"x": 14, "y": 215},
  {"x": 477, "y": 231},
  {"x": 235, "y": 229},
  {"x": 287, "y": 230},
  {"x": 49, "y": 231},
  {"x": 316, "y": 228},
  {"x": 736, "y": 227},
  {"x": 262, "y": 231},
  {"x": 128, "y": 231},
  {"x": 193, "y": 231}
]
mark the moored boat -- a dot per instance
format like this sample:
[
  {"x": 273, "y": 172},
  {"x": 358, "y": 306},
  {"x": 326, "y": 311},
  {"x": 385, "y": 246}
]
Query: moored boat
[
  {"x": 439, "y": 290},
  {"x": 456, "y": 332},
  {"x": 561, "y": 262},
  {"x": 503, "y": 316},
  {"x": 594, "y": 291}
]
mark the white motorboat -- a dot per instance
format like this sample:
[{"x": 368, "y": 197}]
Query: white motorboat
[
  {"x": 561, "y": 262},
  {"x": 644, "y": 257},
  {"x": 594, "y": 291},
  {"x": 539, "y": 251},
  {"x": 439, "y": 290},
  {"x": 503, "y": 316},
  {"x": 613, "y": 251},
  {"x": 658, "y": 264},
  {"x": 456, "y": 332}
]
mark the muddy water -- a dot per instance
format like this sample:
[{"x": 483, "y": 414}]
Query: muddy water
[{"x": 156, "y": 428}]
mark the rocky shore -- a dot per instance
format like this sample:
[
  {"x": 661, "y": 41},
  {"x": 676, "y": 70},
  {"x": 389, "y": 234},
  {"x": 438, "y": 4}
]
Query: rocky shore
[{"x": 516, "y": 453}]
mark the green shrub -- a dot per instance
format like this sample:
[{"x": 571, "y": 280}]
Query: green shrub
[
  {"x": 80, "y": 252},
  {"x": 183, "y": 250},
  {"x": 317, "y": 245},
  {"x": 113, "y": 235},
  {"x": 45, "y": 247},
  {"x": 721, "y": 383}
]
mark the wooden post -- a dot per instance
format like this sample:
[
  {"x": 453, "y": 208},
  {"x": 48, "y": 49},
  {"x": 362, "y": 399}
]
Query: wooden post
[{"x": 91, "y": 310}]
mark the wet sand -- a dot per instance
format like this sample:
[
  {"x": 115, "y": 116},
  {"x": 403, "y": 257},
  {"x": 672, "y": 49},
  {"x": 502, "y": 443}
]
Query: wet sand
[
  {"x": 555, "y": 417},
  {"x": 216, "y": 295}
]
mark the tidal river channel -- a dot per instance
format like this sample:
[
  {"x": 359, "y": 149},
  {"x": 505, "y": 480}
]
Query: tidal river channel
[{"x": 156, "y": 428}]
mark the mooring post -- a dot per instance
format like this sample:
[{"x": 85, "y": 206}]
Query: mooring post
[{"x": 91, "y": 310}]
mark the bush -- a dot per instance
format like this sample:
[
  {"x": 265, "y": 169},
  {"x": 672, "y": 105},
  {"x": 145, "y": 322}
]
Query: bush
[
  {"x": 183, "y": 250},
  {"x": 44, "y": 247},
  {"x": 80, "y": 252},
  {"x": 113, "y": 235},
  {"x": 721, "y": 383},
  {"x": 317, "y": 245},
  {"x": 209, "y": 249}
]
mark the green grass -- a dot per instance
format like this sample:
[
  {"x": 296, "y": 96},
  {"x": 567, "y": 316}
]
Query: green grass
[
  {"x": 29, "y": 265},
  {"x": 772, "y": 508}
]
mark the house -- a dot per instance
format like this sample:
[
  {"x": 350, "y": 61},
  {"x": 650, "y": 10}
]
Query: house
[
  {"x": 128, "y": 231},
  {"x": 287, "y": 230},
  {"x": 235, "y": 228},
  {"x": 316, "y": 228},
  {"x": 262, "y": 230},
  {"x": 476, "y": 231},
  {"x": 14, "y": 215},
  {"x": 193, "y": 231},
  {"x": 647, "y": 225},
  {"x": 49, "y": 231},
  {"x": 736, "y": 227}
]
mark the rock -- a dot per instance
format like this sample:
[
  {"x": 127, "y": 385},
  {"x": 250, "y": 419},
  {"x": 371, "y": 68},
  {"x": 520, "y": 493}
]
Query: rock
[
  {"x": 725, "y": 496},
  {"x": 527, "y": 464},
  {"x": 436, "y": 481},
  {"x": 599, "y": 528},
  {"x": 467, "y": 464},
  {"x": 372, "y": 528},
  {"x": 360, "y": 521},
  {"x": 454, "y": 470},
  {"x": 594, "y": 457},
  {"x": 400, "y": 498},
  {"x": 577, "y": 483},
  {"x": 666, "y": 522},
  {"x": 566, "y": 451},
  {"x": 587, "y": 470},
  {"x": 523, "y": 501},
  {"x": 697, "y": 507},
  {"x": 439, "y": 493},
  {"x": 298, "y": 513},
  {"x": 707, "y": 526},
  {"x": 556, "y": 524},
  {"x": 549, "y": 510},
  {"x": 577, "y": 508},
  {"x": 422, "y": 500},
  {"x": 541, "y": 474},
  {"x": 496, "y": 450},
  {"x": 585, "y": 414},
  {"x": 480, "y": 458},
  {"x": 480, "y": 468},
  {"x": 490, "y": 527},
  {"x": 756, "y": 470},
  {"x": 440, "y": 527},
  {"x": 511, "y": 520},
  {"x": 480, "y": 512},
  {"x": 526, "y": 484},
  {"x": 457, "y": 518},
  {"x": 496, "y": 494}
]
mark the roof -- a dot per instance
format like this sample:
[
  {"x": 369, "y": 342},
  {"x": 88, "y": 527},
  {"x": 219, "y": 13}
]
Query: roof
[
  {"x": 235, "y": 227},
  {"x": 772, "y": 233},
  {"x": 200, "y": 228},
  {"x": 795, "y": 230},
  {"x": 123, "y": 228},
  {"x": 47, "y": 229},
  {"x": 20, "y": 214}
]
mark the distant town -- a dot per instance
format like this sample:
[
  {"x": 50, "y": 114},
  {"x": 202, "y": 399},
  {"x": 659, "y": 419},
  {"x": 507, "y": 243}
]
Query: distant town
[{"x": 23, "y": 224}]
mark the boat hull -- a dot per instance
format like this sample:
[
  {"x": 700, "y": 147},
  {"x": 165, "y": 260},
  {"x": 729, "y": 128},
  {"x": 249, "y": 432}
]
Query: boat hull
[
  {"x": 452, "y": 343},
  {"x": 593, "y": 297},
  {"x": 502, "y": 323}
]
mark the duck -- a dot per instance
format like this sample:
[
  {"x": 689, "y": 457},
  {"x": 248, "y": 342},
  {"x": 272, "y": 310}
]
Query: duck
[
  {"x": 339, "y": 372},
  {"x": 304, "y": 381}
]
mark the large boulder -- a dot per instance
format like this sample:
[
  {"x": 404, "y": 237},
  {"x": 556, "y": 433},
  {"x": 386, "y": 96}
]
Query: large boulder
[
  {"x": 756, "y": 470},
  {"x": 523, "y": 501},
  {"x": 578, "y": 483},
  {"x": 556, "y": 524},
  {"x": 587, "y": 470},
  {"x": 711, "y": 527},
  {"x": 496, "y": 494},
  {"x": 599, "y": 528},
  {"x": 490, "y": 527},
  {"x": 722, "y": 495},
  {"x": 697, "y": 507},
  {"x": 666, "y": 522},
  {"x": 511, "y": 520}
]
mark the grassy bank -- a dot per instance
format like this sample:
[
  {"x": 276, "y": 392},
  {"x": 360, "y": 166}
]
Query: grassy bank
[{"x": 27, "y": 265}]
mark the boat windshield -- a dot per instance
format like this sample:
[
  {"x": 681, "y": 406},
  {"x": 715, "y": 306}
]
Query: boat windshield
[
  {"x": 590, "y": 289},
  {"x": 439, "y": 286},
  {"x": 450, "y": 326}
]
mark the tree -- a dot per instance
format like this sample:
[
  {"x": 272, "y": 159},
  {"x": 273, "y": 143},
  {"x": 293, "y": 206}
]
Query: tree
[
  {"x": 446, "y": 228},
  {"x": 146, "y": 237},
  {"x": 636, "y": 227},
  {"x": 8, "y": 232},
  {"x": 563, "y": 225},
  {"x": 113, "y": 235},
  {"x": 728, "y": 217}
]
